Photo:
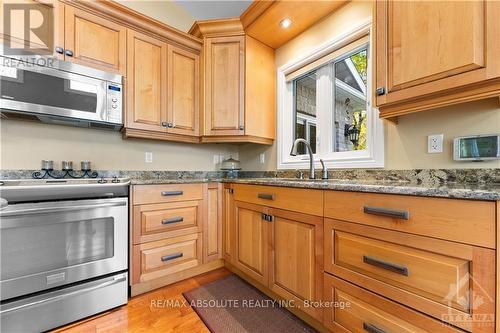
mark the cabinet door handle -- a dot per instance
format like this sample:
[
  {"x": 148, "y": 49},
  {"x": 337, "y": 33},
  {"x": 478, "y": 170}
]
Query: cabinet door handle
[
  {"x": 380, "y": 91},
  {"x": 171, "y": 220},
  {"x": 164, "y": 124},
  {"x": 398, "y": 214},
  {"x": 172, "y": 256},
  {"x": 59, "y": 50},
  {"x": 372, "y": 328},
  {"x": 68, "y": 53},
  {"x": 386, "y": 265},
  {"x": 170, "y": 193},
  {"x": 265, "y": 196}
]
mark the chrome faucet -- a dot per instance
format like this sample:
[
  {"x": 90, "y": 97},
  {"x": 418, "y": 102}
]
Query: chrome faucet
[{"x": 293, "y": 152}]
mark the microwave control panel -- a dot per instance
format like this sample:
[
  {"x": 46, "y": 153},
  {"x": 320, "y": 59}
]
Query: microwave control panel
[{"x": 114, "y": 102}]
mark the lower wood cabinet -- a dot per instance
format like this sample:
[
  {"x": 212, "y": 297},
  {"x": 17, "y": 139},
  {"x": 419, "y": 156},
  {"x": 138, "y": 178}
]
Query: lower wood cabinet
[
  {"x": 166, "y": 256},
  {"x": 353, "y": 309},
  {"x": 176, "y": 233},
  {"x": 449, "y": 281},
  {"x": 252, "y": 251},
  {"x": 228, "y": 226},
  {"x": 281, "y": 250},
  {"x": 295, "y": 267}
]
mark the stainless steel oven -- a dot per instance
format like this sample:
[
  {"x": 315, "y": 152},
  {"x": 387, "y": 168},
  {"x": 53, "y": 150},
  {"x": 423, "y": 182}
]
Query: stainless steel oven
[
  {"x": 59, "y": 254},
  {"x": 62, "y": 92}
]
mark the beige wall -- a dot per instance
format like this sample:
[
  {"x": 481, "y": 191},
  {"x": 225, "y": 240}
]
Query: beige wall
[
  {"x": 165, "y": 11},
  {"x": 406, "y": 142},
  {"x": 24, "y": 144}
]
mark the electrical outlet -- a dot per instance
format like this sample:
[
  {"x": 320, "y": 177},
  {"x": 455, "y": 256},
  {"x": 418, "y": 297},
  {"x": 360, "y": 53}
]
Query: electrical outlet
[
  {"x": 148, "y": 157},
  {"x": 435, "y": 143},
  {"x": 262, "y": 158},
  {"x": 216, "y": 159}
]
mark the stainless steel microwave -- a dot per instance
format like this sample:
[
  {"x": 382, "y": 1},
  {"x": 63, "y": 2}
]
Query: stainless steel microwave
[{"x": 61, "y": 92}]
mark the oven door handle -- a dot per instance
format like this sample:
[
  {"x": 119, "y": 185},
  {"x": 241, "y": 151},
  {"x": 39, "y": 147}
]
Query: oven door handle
[
  {"x": 58, "y": 209},
  {"x": 115, "y": 280}
]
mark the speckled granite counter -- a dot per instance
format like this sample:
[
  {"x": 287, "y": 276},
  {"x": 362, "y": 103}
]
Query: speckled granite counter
[
  {"x": 449, "y": 190},
  {"x": 474, "y": 184}
]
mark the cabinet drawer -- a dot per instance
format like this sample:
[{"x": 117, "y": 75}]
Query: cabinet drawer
[
  {"x": 359, "y": 310},
  {"x": 301, "y": 200},
  {"x": 144, "y": 194},
  {"x": 164, "y": 257},
  {"x": 465, "y": 221},
  {"x": 157, "y": 221},
  {"x": 433, "y": 276}
]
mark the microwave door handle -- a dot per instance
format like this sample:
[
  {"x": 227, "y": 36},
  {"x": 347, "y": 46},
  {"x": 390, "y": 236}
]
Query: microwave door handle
[{"x": 102, "y": 101}]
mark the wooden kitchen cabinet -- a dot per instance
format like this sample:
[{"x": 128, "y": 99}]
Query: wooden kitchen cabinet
[
  {"x": 280, "y": 249},
  {"x": 212, "y": 241},
  {"x": 228, "y": 226},
  {"x": 146, "y": 83},
  {"x": 252, "y": 252},
  {"x": 163, "y": 90},
  {"x": 94, "y": 41},
  {"x": 225, "y": 79},
  {"x": 183, "y": 95},
  {"x": 238, "y": 84},
  {"x": 176, "y": 233},
  {"x": 47, "y": 37},
  {"x": 435, "y": 53},
  {"x": 296, "y": 269}
]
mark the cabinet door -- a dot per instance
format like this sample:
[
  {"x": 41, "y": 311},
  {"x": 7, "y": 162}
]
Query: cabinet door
[
  {"x": 228, "y": 226},
  {"x": 212, "y": 231},
  {"x": 183, "y": 91},
  {"x": 424, "y": 47},
  {"x": 251, "y": 241},
  {"x": 94, "y": 41},
  {"x": 46, "y": 23},
  {"x": 296, "y": 258},
  {"x": 224, "y": 95},
  {"x": 146, "y": 83}
]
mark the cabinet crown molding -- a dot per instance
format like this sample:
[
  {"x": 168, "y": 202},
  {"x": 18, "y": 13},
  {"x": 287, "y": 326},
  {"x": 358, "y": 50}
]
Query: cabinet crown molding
[
  {"x": 219, "y": 27},
  {"x": 135, "y": 20}
]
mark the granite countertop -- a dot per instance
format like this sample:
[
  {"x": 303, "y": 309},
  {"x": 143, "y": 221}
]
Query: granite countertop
[
  {"x": 139, "y": 181},
  {"x": 489, "y": 192},
  {"x": 474, "y": 184},
  {"x": 448, "y": 190}
]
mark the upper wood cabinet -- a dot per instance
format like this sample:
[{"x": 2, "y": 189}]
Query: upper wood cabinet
[
  {"x": 183, "y": 91},
  {"x": 94, "y": 41},
  {"x": 435, "y": 53},
  {"x": 162, "y": 90},
  {"x": 238, "y": 84},
  {"x": 224, "y": 83},
  {"x": 146, "y": 83}
]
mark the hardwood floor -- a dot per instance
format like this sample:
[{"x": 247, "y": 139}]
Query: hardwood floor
[{"x": 145, "y": 313}]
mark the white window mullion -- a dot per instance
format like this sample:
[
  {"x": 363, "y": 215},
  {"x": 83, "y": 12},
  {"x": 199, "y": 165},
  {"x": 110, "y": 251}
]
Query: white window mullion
[{"x": 324, "y": 109}]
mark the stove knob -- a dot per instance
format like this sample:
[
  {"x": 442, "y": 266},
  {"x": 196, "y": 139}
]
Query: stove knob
[
  {"x": 102, "y": 181},
  {"x": 115, "y": 180}
]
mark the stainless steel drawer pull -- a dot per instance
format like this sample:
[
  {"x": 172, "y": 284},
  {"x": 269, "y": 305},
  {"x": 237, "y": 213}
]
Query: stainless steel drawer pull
[
  {"x": 398, "y": 214},
  {"x": 172, "y": 256},
  {"x": 385, "y": 265},
  {"x": 265, "y": 196},
  {"x": 171, "y": 220},
  {"x": 169, "y": 193},
  {"x": 372, "y": 328}
]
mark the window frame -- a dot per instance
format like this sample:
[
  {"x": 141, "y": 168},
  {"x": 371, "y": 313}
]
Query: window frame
[{"x": 373, "y": 155}]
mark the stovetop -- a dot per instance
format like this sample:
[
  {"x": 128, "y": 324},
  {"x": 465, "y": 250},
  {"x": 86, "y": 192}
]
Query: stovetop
[{"x": 33, "y": 190}]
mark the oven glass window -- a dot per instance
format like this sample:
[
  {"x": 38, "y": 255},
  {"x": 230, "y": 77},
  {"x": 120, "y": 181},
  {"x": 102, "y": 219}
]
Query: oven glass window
[
  {"x": 40, "y": 248},
  {"x": 36, "y": 88}
]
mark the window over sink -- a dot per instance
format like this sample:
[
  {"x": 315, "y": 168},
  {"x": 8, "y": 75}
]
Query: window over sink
[{"x": 325, "y": 98}]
